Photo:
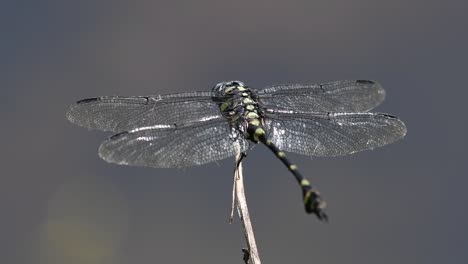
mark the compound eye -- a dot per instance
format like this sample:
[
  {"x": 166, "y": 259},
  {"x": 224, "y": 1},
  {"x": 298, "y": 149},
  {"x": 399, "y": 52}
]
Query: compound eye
[
  {"x": 219, "y": 87},
  {"x": 238, "y": 83}
]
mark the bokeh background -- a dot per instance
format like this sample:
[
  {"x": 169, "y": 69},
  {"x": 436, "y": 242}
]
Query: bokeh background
[{"x": 59, "y": 203}]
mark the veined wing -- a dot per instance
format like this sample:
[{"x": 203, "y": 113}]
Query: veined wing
[
  {"x": 118, "y": 113},
  {"x": 339, "y": 96},
  {"x": 169, "y": 146},
  {"x": 332, "y": 134}
]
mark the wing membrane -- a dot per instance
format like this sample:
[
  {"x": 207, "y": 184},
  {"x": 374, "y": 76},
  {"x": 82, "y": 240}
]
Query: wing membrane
[
  {"x": 339, "y": 96},
  {"x": 117, "y": 113},
  {"x": 168, "y": 146},
  {"x": 332, "y": 134}
]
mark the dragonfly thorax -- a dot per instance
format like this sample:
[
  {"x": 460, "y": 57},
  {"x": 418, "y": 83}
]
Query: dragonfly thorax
[{"x": 239, "y": 104}]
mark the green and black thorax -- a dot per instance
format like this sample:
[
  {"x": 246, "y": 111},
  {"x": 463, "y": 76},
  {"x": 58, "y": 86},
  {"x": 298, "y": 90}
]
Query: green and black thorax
[{"x": 241, "y": 106}]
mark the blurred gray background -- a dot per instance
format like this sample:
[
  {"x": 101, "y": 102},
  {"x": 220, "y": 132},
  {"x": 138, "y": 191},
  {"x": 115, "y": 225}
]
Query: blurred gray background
[{"x": 404, "y": 203}]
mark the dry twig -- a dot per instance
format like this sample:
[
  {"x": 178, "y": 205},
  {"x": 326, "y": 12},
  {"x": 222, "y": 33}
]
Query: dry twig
[{"x": 251, "y": 253}]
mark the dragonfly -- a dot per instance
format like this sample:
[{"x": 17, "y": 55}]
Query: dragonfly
[{"x": 194, "y": 128}]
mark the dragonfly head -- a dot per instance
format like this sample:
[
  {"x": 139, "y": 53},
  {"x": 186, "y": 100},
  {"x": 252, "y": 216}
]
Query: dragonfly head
[{"x": 222, "y": 88}]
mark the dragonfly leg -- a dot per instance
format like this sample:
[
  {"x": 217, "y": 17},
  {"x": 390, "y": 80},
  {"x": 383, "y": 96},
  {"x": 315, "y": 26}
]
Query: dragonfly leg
[
  {"x": 243, "y": 155},
  {"x": 246, "y": 256}
]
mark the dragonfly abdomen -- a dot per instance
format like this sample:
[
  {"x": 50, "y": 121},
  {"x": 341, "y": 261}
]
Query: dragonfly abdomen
[{"x": 313, "y": 203}]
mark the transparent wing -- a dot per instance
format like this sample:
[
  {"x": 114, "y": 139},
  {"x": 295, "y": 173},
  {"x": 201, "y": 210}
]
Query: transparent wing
[
  {"x": 332, "y": 134},
  {"x": 169, "y": 146},
  {"x": 339, "y": 96},
  {"x": 117, "y": 113}
]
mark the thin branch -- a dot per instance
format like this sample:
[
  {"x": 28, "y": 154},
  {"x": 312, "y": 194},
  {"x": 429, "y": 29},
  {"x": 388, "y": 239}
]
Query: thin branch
[
  {"x": 233, "y": 204},
  {"x": 243, "y": 211}
]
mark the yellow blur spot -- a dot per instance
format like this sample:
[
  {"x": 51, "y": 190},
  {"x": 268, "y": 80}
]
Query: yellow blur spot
[
  {"x": 293, "y": 167},
  {"x": 281, "y": 154},
  {"x": 86, "y": 222},
  {"x": 241, "y": 88},
  {"x": 269, "y": 143}
]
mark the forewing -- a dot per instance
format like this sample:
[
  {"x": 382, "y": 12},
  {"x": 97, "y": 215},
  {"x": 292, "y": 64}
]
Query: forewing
[
  {"x": 168, "y": 146},
  {"x": 332, "y": 134},
  {"x": 117, "y": 113},
  {"x": 339, "y": 96}
]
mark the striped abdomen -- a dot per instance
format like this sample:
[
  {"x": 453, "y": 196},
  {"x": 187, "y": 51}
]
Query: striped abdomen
[{"x": 312, "y": 201}]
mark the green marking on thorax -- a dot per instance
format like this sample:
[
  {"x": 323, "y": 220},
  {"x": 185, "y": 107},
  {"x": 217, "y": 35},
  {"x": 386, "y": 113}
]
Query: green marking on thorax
[
  {"x": 247, "y": 101},
  {"x": 224, "y": 106},
  {"x": 252, "y": 115},
  {"x": 228, "y": 90},
  {"x": 234, "y": 118},
  {"x": 255, "y": 122}
]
